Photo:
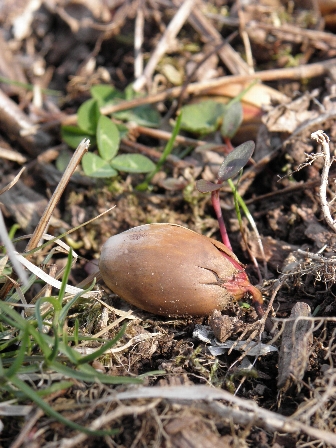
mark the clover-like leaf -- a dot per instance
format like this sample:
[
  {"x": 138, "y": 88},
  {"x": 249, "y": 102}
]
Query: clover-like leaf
[
  {"x": 205, "y": 186},
  {"x": 203, "y": 117},
  {"x": 144, "y": 115},
  {"x": 88, "y": 115},
  {"x": 105, "y": 94},
  {"x": 73, "y": 135},
  {"x": 108, "y": 138},
  {"x": 95, "y": 166},
  {"x": 236, "y": 160},
  {"x": 232, "y": 119},
  {"x": 133, "y": 163}
]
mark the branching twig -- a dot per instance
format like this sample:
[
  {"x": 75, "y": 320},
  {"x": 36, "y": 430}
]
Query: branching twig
[
  {"x": 323, "y": 139},
  {"x": 245, "y": 411},
  {"x": 106, "y": 419}
]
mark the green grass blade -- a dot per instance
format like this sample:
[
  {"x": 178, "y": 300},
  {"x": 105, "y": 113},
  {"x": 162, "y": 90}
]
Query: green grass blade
[
  {"x": 90, "y": 375},
  {"x": 239, "y": 201},
  {"x": 55, "y": 347},
  {"x": 60, "y": 385},
  {"x": 20, "y": 354},
  {"x": 64, "y": 281},
  {"x": 30, "y": 393},
  {"x": 66, "y": 308},
  {"x": 104, "y": 348},
  {"x": 76, "y": 329},
  {"x": 39, "y": 303}
]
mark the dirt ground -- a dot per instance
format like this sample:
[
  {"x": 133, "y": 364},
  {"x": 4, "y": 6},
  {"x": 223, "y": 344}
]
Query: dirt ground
[{"x": 198, "y": 390}]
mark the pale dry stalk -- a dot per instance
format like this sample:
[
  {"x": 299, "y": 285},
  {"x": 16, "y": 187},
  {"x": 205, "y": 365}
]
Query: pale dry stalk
[
  {"x": 306, "y": 71},
  {"x": 323, "y": 139},
  {"x": 165, "y": 42},
  {"x": 45, "y": 219},
  {"x": 138, "y": 40}
]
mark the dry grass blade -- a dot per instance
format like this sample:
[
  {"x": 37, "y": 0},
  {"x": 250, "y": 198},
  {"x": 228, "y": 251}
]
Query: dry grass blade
[
  {"x": 229, "y": 56},
  {"x": 44, "y": 221},
  {"x": 13, "y": 182}
]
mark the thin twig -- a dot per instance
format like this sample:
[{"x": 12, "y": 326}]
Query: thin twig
[
  {"x": 171, "y": 32},
  {"x": 103, "y": 420},
  {"x": 209, "y": 34},
  {"x": 165, "y": 135},
  {"x": 282, "y": 191},
  {"x": 13, "y": 182},
  {"x": 245, "y": 38},
  {"x": 27, "y": 428},
  {"x": 10, "y": 154},
  {"x": 129, "y": 146},
  {"x": 319, "y": 39},
  {"x": 305, "y": 71},
  {"x": 19, "y": 127},
  {"x": 323, "y": 139},
  {"x": 138, "y": 40},
  {"x": 250, "y": 174},
  {"x": 250, "y": 412}
]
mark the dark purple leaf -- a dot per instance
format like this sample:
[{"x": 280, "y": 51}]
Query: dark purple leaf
[
  {"x": 205, "y": 186},
  {"x": 236, "y": 160}
]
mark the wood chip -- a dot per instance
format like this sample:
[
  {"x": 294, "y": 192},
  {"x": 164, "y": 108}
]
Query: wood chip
[{"x": 296, "y": 342}]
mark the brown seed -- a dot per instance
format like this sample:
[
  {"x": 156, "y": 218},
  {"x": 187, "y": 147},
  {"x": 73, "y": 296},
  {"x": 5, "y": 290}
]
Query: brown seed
[{"x": 170, "y": 270}]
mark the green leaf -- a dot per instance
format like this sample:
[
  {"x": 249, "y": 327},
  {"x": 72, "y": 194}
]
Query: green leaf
[
  {"x": 65, "y": 278},
  {"x": 123, "y": 130},
  {"x": 203, "y": 117},
  {"x": 232, "y": 119},
  {"x": 30, "y": 393},
  {"x": 108, "y": 138},
  {"x": 144, "y": 115},
  {"x": 130, "y": 93},
  {"x": 95, "y": 166},
  {"x": 133, "y": 163},
  {"x": 90, "y": 375},
  {"x": 88, "y": 115},
  {"x": 73, "y": 135},
  {"x": 55, "y": 387},
  {"x": 20, "y": 355},
  {"x": 71, "y": 302},
  {"x": 105, "y": 94},
  {"x": 236, "y": 160},
  {"x": 99, "y": 352}
]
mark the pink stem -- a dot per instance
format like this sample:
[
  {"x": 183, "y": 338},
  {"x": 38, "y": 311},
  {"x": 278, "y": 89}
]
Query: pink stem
[
  {"x": 228, "y": 143},
  {"x": 218, "y": 211}
]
